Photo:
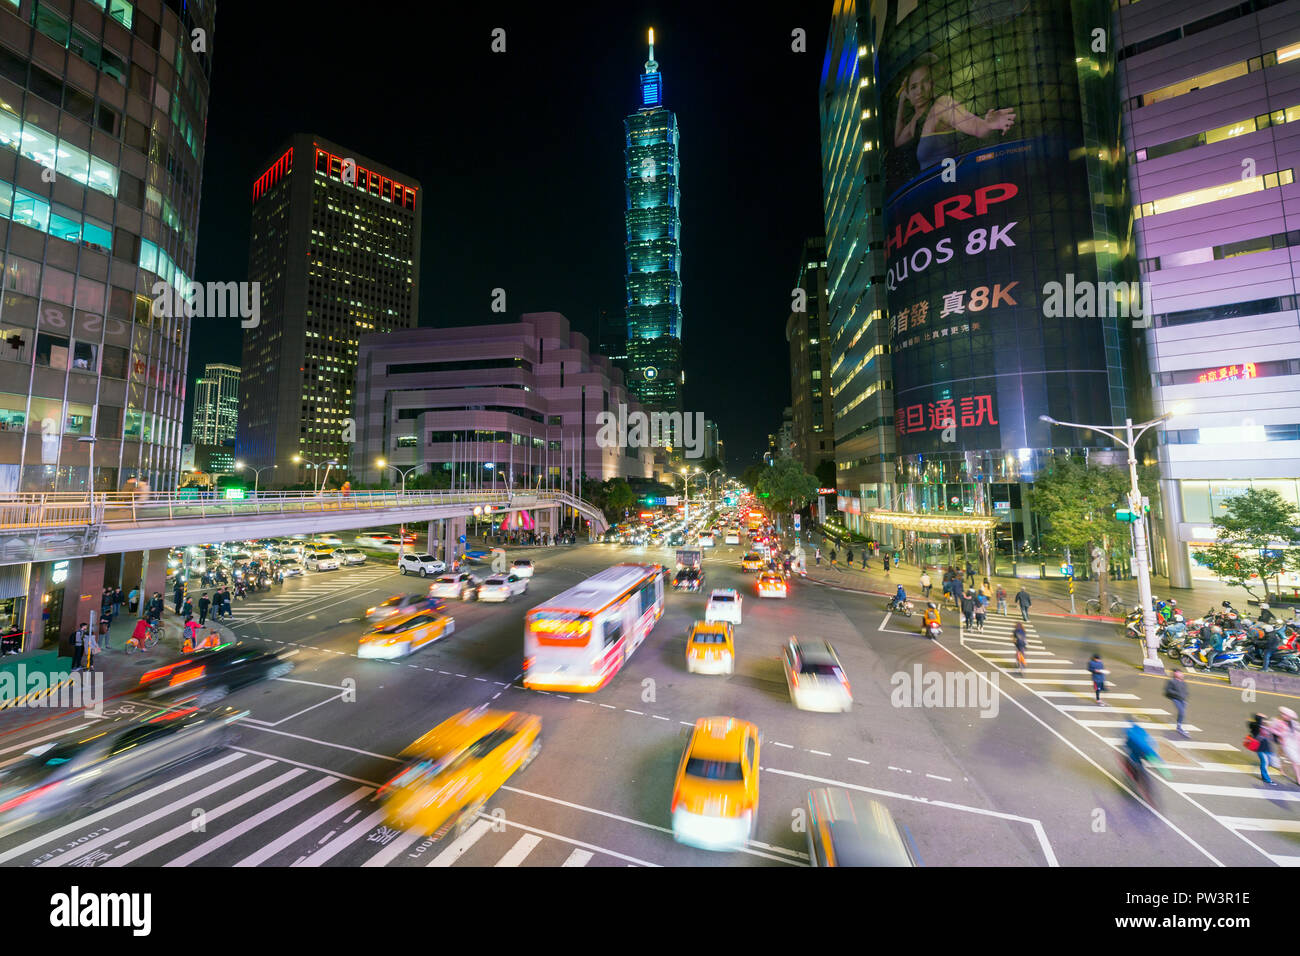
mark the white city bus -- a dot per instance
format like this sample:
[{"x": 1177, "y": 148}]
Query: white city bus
[{"x": 578, "y": 640}]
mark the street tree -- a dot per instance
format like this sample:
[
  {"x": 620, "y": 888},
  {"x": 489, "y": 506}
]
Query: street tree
[
  {"x": 825, "y": 473},
  {"x": 787, "y": 485},
  {"x": 1076, "y": 504},
  {"x": 1247, "y": 539},
  {"x": 749, "y": 478},
  {"x": 618, "y": 498}
]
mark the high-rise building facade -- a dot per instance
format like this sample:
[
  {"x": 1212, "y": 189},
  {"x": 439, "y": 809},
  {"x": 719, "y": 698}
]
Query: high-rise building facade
[
  {"x": 860, "y": 388},
  {"x": 1006, "y": 220},
  {"x": 216, "y": 405},
  {"x": 1211, "y": 95},
  {"x": 653, "y": 246},
  {"x": 103, "y": 109},
  {"x": 335, "y": 245},
  {"x": 807, "y": 331}
]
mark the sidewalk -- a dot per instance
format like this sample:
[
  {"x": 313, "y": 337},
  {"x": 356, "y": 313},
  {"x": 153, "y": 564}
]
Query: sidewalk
[{"x": 1048, "y": 597}]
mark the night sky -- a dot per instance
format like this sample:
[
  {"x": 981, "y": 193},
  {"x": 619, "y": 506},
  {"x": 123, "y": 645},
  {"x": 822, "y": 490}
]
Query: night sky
[{"x": 520, "y": 156}]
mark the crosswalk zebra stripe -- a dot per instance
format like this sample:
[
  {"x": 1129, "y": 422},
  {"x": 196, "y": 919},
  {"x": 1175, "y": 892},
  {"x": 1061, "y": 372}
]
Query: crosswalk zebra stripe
[
  {"x": 135, "y": 823},
  {"x": 577, "y": 858},
  {"x": 396, "y": 846},
  {"x": 239, "y": 829},
  {"x": 517, "y": 853},
  {"x": 461, "y": 845},
  {"x": 148, "y": 795},
  {"x": 1216, "y": 790},
  {"x": 175, "y": 833},
  {"x": 336, "y": 846},
  {"x": 302, "y": 829}
]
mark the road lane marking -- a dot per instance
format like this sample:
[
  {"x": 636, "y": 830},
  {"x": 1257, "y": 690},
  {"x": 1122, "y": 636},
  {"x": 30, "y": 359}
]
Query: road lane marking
[
  {"x": 341, "y": 842},
  {"x": 777, "y": 743},
  {"x": 309, "y": 766},
  {"x": 307, "y": 826},
  {"x": 856, "y": 760},
  {"x": 577, "y": 858},
  {"x": 1216, "y": 790},
  {"x": 460, "y": 846},
  {"x": 517, "y": 853},
  {"x": 323, "y": 743},
  {"x": 587, "y": 848},
  {"x": 239, "y": 829},
  {"x": 637, "y": 712},
  {"x": 820, "y": 753}
]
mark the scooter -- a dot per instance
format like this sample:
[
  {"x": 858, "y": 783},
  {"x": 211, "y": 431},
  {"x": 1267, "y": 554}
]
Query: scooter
[
  {"x": 900, "y": 607},
  {"x": 932, "y": 631},
  {"x": 1202, "y": 656}
]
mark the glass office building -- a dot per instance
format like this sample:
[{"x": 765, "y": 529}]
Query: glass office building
[
  {"x": 653, "y": 246},
  {"x": 102, "y": 112}
]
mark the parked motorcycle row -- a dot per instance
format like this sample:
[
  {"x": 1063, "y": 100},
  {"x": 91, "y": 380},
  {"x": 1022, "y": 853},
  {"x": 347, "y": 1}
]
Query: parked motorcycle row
[{"x": 1221, "y": 639}]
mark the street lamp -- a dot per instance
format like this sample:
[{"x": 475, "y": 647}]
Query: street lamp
[
  {"x": 257, "y": 473},
  {"x": 1151, "y": 664},
  {"x": 401, "y": 528},
  {"x": 299, "y": 460}
]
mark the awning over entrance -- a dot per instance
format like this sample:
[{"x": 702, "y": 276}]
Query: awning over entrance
[{"x": 934, "y": 522}]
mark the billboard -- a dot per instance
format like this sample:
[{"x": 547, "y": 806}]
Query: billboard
[{"x": 988, "y": 199}]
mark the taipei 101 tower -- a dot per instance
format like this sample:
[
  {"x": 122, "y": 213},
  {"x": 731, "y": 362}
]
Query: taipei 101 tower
[{"x": 653, "y": 245}]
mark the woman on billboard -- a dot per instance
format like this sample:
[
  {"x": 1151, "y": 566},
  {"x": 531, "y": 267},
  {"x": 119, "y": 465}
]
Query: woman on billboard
[{"x": 938, "y": 122}]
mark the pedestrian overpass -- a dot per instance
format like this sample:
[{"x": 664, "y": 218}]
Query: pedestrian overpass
[{"x": 55, "y": 526}]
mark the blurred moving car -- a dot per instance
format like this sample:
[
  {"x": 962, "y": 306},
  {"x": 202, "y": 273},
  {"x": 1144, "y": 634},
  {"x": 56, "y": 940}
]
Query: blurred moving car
[
  {"x": 752, "y": 561},
  {"x": 771, "y": 584},
  {"x": 404, "y": 634},
  {"x": 815, "y": 677},
  {"x": 462, "y": 585},
  {"x": 706, "y": 539},
  {"x": 688, "y": 579},
  {"x": 290, "y": 566},
  {"x": 731, "y": 538},
  {"x": 350, "y": 555},
  {"x": 376, "y": 539},
  {"x": 522, "y": 567},
  {"x": 710, "y": 648},
  {"x": 421, "y": 564},
  {"x": 850, "y": 829},
  {"x": 402, "y": 604},
  {"x": 715, "y": 796},
  {"x": 457, "y": 766},
  {"x": 208, "y": 676},
  {"x": 501, "y": 587},
  {"x": 331, "y": 539},
  {"x": 86, "y": 771},
  {"x": 724, "y": 605}
]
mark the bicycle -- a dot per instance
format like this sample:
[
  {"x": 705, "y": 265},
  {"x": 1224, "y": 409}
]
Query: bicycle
[{"x": 151, "y": 638}]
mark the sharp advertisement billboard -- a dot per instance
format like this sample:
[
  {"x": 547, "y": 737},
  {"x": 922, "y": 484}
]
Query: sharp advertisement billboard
[{"x": 991, "y": 167}]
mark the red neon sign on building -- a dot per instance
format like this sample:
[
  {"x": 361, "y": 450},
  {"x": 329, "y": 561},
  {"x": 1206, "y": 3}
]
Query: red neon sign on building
[
  {"x": 1229, "y": 373},
  {"x": 279, "y": 169},
  {"x": 381, "y": 187}
]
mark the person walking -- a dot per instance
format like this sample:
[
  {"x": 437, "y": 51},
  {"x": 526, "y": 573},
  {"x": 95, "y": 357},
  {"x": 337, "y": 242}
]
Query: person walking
[
  {"x": 188, "y": 609},
  {"x": 133, "y": 600},
  {"x": 1022, "y": 644},
  {"x": 204, "y": 604},
  {"x": 1290, "y": 739},
  {"x": 848, "y": 557},
  {"x": 1002, "y": 600},
  {"x": 817, "y": 557},
  {"x": 1260, "y": 740},
  {"x": 925, "y": 585},
  {"x": 885, "y": 561},
  {"x": 968, "y": 608},
  {"x": 834, "y": 555},
  {"x": 104, "y": 624},
  {"x": 1176, "y": 691},
  {"x": 981, "y": 611},
  {"x": 1022, "y": 598},
  {"x": 78, "y": 646},
  {"x": 986, "y": 590},
  {"x": 178, "y": 595},
  {"x": 1098, "y": 671},
  {"x": 970, "y": 569}
]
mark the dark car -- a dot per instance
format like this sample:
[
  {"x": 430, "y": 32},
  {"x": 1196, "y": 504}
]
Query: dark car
[
  {"x": 87, "y": 772},
  {"x": 209, "y": 676},
  {"x": 688, "y": 579}
]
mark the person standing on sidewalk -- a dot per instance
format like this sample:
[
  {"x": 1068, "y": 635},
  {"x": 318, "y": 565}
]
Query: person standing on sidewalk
[
  {"x": 204, "y": 604},
  {"x": 818, "y": 557},
  {"x": 188, "y": 609},
  {"x": 1098, "y": 671},
  {"x": 104, "y": 624},
  {"x": 968, "y": 608},
  {"x": 92, "y": 649},
  {"x": 1002, "y": 600},
  {"x": 885, "y": 561},
  {"x": 133, "y": 600},
  {"x": 834, "y": 555},
  {"x": 178, "y": 595},
  {"x": 848, "y": 557},
  {"x": 925, "y": 584},
  {"x": 78, "y": 646},
  {"x": 1022, "y": 598},
  {"x": 1176, "y": 691}
]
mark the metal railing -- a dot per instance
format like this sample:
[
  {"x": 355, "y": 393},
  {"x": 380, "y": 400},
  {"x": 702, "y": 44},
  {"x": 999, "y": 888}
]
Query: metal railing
[{"x": 65, "y": 510}]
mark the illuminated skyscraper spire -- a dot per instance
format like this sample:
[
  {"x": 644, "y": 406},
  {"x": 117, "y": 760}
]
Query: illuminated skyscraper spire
[
  {"x": 652, "y": 81},
  {"x": 650, "y": 65}
]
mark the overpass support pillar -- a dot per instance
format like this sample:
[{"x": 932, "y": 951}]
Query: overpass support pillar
[
  {"x": 153, "y": 575},
  {"x": 452, "y": 529}
]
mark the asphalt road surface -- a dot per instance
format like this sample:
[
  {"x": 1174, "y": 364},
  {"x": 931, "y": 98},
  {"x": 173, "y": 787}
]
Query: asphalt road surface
[{"x": 1020, "y": 772}]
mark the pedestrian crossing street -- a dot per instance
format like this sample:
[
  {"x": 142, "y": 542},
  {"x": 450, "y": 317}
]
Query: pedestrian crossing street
[
  {"x": 312, "y": 590},
  {"x": 1219, "y": 777},
  {"x": 243, "y": 808}
]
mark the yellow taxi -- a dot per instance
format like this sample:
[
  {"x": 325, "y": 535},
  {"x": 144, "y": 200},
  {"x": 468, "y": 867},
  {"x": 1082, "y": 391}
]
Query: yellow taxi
[
  {"x": 771, "y": 584},
  {"x": 752, "y": 561},
  {"x": 404, "y": 634},
  {"x": 715, "y": 797},
  {"x": 457, "y": 766},
  {"x": 710, "y": 648}
]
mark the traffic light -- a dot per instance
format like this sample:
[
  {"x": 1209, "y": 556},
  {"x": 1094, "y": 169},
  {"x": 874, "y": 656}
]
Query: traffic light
[{"x": 1124, "y": 514}]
